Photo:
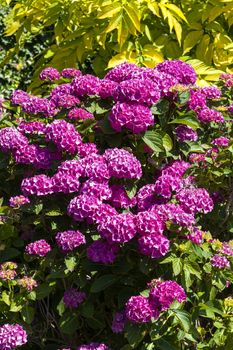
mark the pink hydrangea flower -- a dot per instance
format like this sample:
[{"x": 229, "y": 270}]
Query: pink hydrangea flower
[
  {"x": 93, "y": 346},
  {"x": 118, "y": 322},
  {"x": 49, "y": 73},
  {"x": 40, "y": 248},
  {"x": 18, "y": 201},
  {"x": 69, "y": 240},
  {"x": 120, "y": 228},
  {"x": 12, "y": 336},
  {"x": 153, "y": 245},
  {"x": 221, "y": 141},
  {"x": 134, "y": 117},
  {"x": 220, "y": 262},
  {"x": 138, "y": 309},
  {"x": 164, "y": 294},
  {"x": 122, "y": 164}
]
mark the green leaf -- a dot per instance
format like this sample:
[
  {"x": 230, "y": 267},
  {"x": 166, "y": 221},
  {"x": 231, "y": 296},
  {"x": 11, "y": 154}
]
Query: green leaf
[
  {"x": 161, "y": 107},
  {"x": 183, "y": 97},
  {"x": 134, "y": 334},
  {"x": 193, "y": 268},
  {"x": 109, "y": 10},
  {"x": 165, "y": 344},
  {"x": 177, "y": 266},
  {"x": 184, "y": 319},
  {"x": 5, "y": 297},
  {"x": 43, "y": 290},
  {"x": 6, "y": 231},
  {"x": 133, "y": 15},
  {"x": 102, "y": 283},
  {"x": 9, "y": 253},
  {"x": 28, "y": 314},
  {"x": 167, "y": 142},
  {"x": 61, "y": 307},
  {"x": 154, "y": 140},
  {"x": 190, "y": 121},
  {"x": 69, "y": 323},
  {"x": 70, "y": 263},
  {"x": 191, "y": 40},
  {"x": 87, "y": 309},
  {"x": 53, "y": 213}
]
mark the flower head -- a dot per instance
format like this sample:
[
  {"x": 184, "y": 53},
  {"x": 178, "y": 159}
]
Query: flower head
[
  {"x": 12, "y": 336},
  {"x": 69, "y": 240},
  {"x": 73, "y": 298},
  {"x": 40, "y": 248}
]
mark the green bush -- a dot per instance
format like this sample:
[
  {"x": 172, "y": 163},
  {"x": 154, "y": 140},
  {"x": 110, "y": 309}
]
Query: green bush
[{"x": 93, "y": 135}]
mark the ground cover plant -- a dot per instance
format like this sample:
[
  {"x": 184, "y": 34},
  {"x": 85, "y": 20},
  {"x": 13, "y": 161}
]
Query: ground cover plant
[{"x": 116, "y": 211}]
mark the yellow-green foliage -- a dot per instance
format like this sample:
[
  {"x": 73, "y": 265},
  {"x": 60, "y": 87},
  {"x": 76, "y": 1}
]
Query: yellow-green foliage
[{"x": 142, "y": 31}]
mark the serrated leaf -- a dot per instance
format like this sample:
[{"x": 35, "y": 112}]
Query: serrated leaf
[
  {"x": 133, "y": 15},
  {"x": 154, "y": 140},
  {"x": 154, "y": 8},
  {"x": 69, "y": 323},
  {"x": 70, "y": 263},
  {"x": 102, "y": 283},
  {"x": 178, "y": 30},
  {"x": 176, "y": 266},
  {"x": 134, "y": 334},
  {"x": 189, "y": 121},
  {"x": 114, "y": 22},
  {"x": 28, "y": 314},
  {"x": 191, "y": 40},
  {"x": 177, "y": 11},
  {"x": 109, "y": 10},
  {"x": 167, "y": 142},
  {"x": 184, "y": 319}
]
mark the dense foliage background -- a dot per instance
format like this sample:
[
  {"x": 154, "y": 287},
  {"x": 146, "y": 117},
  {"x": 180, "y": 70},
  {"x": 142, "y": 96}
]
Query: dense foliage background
[{"x": 103, "y": 34}]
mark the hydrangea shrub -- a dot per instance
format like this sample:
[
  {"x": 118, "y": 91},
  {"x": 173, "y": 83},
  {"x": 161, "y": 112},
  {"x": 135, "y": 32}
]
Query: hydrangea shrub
[{"x": 116, "y": 212}]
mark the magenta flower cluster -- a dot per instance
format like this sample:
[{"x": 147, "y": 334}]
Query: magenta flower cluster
[
  {"x": 40, "y": 248},
  {"x": 140, "y": 309},
  {"x": 67, "y": 241},
  {"x": 198, "y": 102},
  {"x": 185, "y": 133},
  {"x": 220, "y": 262},
  {"x": 93, "y": 346},
  {"x": 73, "y": 298},
  {"x": 12, "y": 336},
  {"x": 18, "y": 201}
]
